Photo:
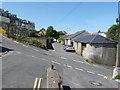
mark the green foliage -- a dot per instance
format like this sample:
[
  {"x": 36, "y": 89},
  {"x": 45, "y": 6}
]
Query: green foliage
[
  {"x": 32, "y": 41},
  {"x": 32, "y": 33},
  {"x": 52, "y": 33},
  {"x": 3, "y": 31},
  {"x": 62, "y": 32},
  {"x": 112, "y": 33},
  {"x": 60, "y": 40},
  {"x": 12, "y": 24},
  {"x": 117, "y": 77}
]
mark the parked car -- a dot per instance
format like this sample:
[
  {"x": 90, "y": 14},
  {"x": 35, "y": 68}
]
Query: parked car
[{"x": 69, "y": 48}]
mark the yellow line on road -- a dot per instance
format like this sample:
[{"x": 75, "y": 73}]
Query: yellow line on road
[
  {"x": 35, "y": 83},
  {"x": 39, "y": 83}
]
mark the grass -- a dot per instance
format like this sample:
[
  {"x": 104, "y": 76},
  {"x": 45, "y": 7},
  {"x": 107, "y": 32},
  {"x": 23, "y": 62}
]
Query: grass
[
  {"x": 117, "y": 77},
  {"x": 90, "y": 62}
]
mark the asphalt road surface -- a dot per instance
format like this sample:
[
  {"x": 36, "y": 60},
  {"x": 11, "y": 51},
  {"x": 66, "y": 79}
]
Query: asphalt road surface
[{"x": 22, "y": 65}]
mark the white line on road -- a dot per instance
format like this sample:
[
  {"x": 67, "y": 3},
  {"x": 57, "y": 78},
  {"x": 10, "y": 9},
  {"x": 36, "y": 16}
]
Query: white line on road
[
  {"x": 67, "y": 65},
  {"x": 79, "y": 69},
  {"x": 63, "y": 58},
  {"x": 77, "y": 61},
  {"x": 101, "y": 75},
  {"x": 55, "y": 62},
  {"x": 25, "y": 46},
  {"x": 48, "y": 53},
  {"x": 35, "y": 49},
  {"x": 33, "y": 56},
  {"x": 16, "y": 42},
  {"x": 19, "y": 53},
  {"x": 90, "y": 72},
  {"x": 53, "y": 47}
]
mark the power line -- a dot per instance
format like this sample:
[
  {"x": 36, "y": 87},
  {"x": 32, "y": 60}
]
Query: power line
[{"x": 69, "y": 13}]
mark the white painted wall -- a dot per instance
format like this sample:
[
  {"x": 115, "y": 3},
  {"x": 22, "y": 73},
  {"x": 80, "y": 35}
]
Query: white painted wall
[
  {"x": 101, "y": 55},
  {"x": 4, "y": 19}
]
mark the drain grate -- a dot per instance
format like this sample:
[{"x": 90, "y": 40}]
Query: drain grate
[{"x": 95, "y": 83}]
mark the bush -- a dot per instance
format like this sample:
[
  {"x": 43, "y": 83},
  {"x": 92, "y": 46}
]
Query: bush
[
  {"x": 60, "y": 40},
  {"x": 3, "y": 31},
  {"x": 117, "y": 77}
]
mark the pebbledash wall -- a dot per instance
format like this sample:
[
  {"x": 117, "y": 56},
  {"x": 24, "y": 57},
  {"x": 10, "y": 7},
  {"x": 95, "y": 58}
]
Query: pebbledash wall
[
  {"x": 77, "y": 47},
  {"x": 104, "y": 54}
]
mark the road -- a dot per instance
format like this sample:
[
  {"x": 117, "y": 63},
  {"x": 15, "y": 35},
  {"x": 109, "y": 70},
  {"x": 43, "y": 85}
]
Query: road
[{"x": 22, "y": 65}]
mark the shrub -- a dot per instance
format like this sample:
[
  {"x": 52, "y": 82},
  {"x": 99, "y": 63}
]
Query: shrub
[
  {"x": 3, "y": 31},
  {"x": 60, "y": 40}
]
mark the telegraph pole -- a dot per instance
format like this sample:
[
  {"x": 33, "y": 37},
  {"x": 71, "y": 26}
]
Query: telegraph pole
[{"x": 116, "y": 70}]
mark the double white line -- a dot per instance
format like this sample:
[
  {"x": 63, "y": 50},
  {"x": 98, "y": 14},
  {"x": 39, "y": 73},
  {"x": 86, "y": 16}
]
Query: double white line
[{"x": 37, "y": 83}]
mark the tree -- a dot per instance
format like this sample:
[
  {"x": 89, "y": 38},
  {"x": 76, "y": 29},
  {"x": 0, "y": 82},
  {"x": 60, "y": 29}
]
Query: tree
[
  {"x": 112, "y": 33},
  {"x": 32, "y": 33},
  {"x": 51, "y": 32}
]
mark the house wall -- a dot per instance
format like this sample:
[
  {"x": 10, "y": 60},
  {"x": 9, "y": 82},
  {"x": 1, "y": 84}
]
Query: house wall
[
  {"x": 98, "y": 53},
  {"x": 77, "y": 47},
  {"x": 67, "y": 41}
]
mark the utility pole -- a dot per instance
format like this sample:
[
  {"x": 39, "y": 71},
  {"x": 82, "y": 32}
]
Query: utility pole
[{"x": 116, "y": 70}]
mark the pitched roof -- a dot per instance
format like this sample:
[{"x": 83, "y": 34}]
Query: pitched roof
[
  {"x": 93, "y": 39},
  {"x": 75, "y": 34}
]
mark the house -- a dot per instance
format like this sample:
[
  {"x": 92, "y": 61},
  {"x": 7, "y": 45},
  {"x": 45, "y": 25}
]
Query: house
[
  {"x": 69, "y": 40},
  {"x": 96, "y": 48},
  {"x": 100, "y": 33}
]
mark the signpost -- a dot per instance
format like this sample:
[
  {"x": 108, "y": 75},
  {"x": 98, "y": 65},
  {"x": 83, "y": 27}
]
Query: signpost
[{"x": 116, "y": 70}]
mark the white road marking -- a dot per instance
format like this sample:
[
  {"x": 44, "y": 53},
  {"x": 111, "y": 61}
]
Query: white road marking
[
  {"x": 25, "y": 46},
  {"x": 64, "y": 64},
  {"x": 48, "y": 53},
  {"x": 90, "y": 72},
  {"x": 19, "y": 53},
  {"x": 53, "y": 47},
  {"x": 33, "y": 56},
  {"x": 35, "y": 49},
  {"x": 77, "y": 61},
  {"x": 101, "y": 75},
  {"x": 56, "y": 62},
  {"x": 69, "y": 66},
  {"x": 63, "y": 58},
  {"x": 16, "y": 42},
  {"x": 79, "y": 69}
]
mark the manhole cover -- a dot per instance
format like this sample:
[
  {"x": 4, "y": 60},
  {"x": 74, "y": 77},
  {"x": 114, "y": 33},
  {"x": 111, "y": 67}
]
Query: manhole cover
[{"x": 95, "y": 83}]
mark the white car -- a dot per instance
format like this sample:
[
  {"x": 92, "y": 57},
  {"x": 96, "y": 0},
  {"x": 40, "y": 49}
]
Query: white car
[{"x": 69, "y": 48}]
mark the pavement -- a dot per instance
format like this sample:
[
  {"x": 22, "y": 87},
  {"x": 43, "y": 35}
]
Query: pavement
[{"x": 21, "y": 67}]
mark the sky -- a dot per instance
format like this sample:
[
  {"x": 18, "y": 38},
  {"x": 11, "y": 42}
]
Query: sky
[{"x": 66, "y": 16}]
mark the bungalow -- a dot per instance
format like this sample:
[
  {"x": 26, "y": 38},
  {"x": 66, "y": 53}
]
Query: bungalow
[
  {"x": 69, "y": 40},
  {"x": 96, "y": 48}
]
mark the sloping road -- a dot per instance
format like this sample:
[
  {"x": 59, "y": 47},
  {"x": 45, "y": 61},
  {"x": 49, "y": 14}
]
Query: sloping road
[{"x": 25, "y": 63}]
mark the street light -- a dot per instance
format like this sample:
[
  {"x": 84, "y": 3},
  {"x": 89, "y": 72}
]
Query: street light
[{"x": 116, "y": 70}]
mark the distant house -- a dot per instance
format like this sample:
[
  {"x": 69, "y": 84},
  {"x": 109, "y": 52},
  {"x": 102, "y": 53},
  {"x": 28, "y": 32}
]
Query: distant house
[
  {"x": 100, "y": 33},
  {"x": 69, "y": 40},
  {"x": 96, "y": 48},
  {"x": 63, "y": 37}
]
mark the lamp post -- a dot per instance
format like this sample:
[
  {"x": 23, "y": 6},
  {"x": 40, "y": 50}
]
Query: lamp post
[{"x": 116, "y": 70}]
